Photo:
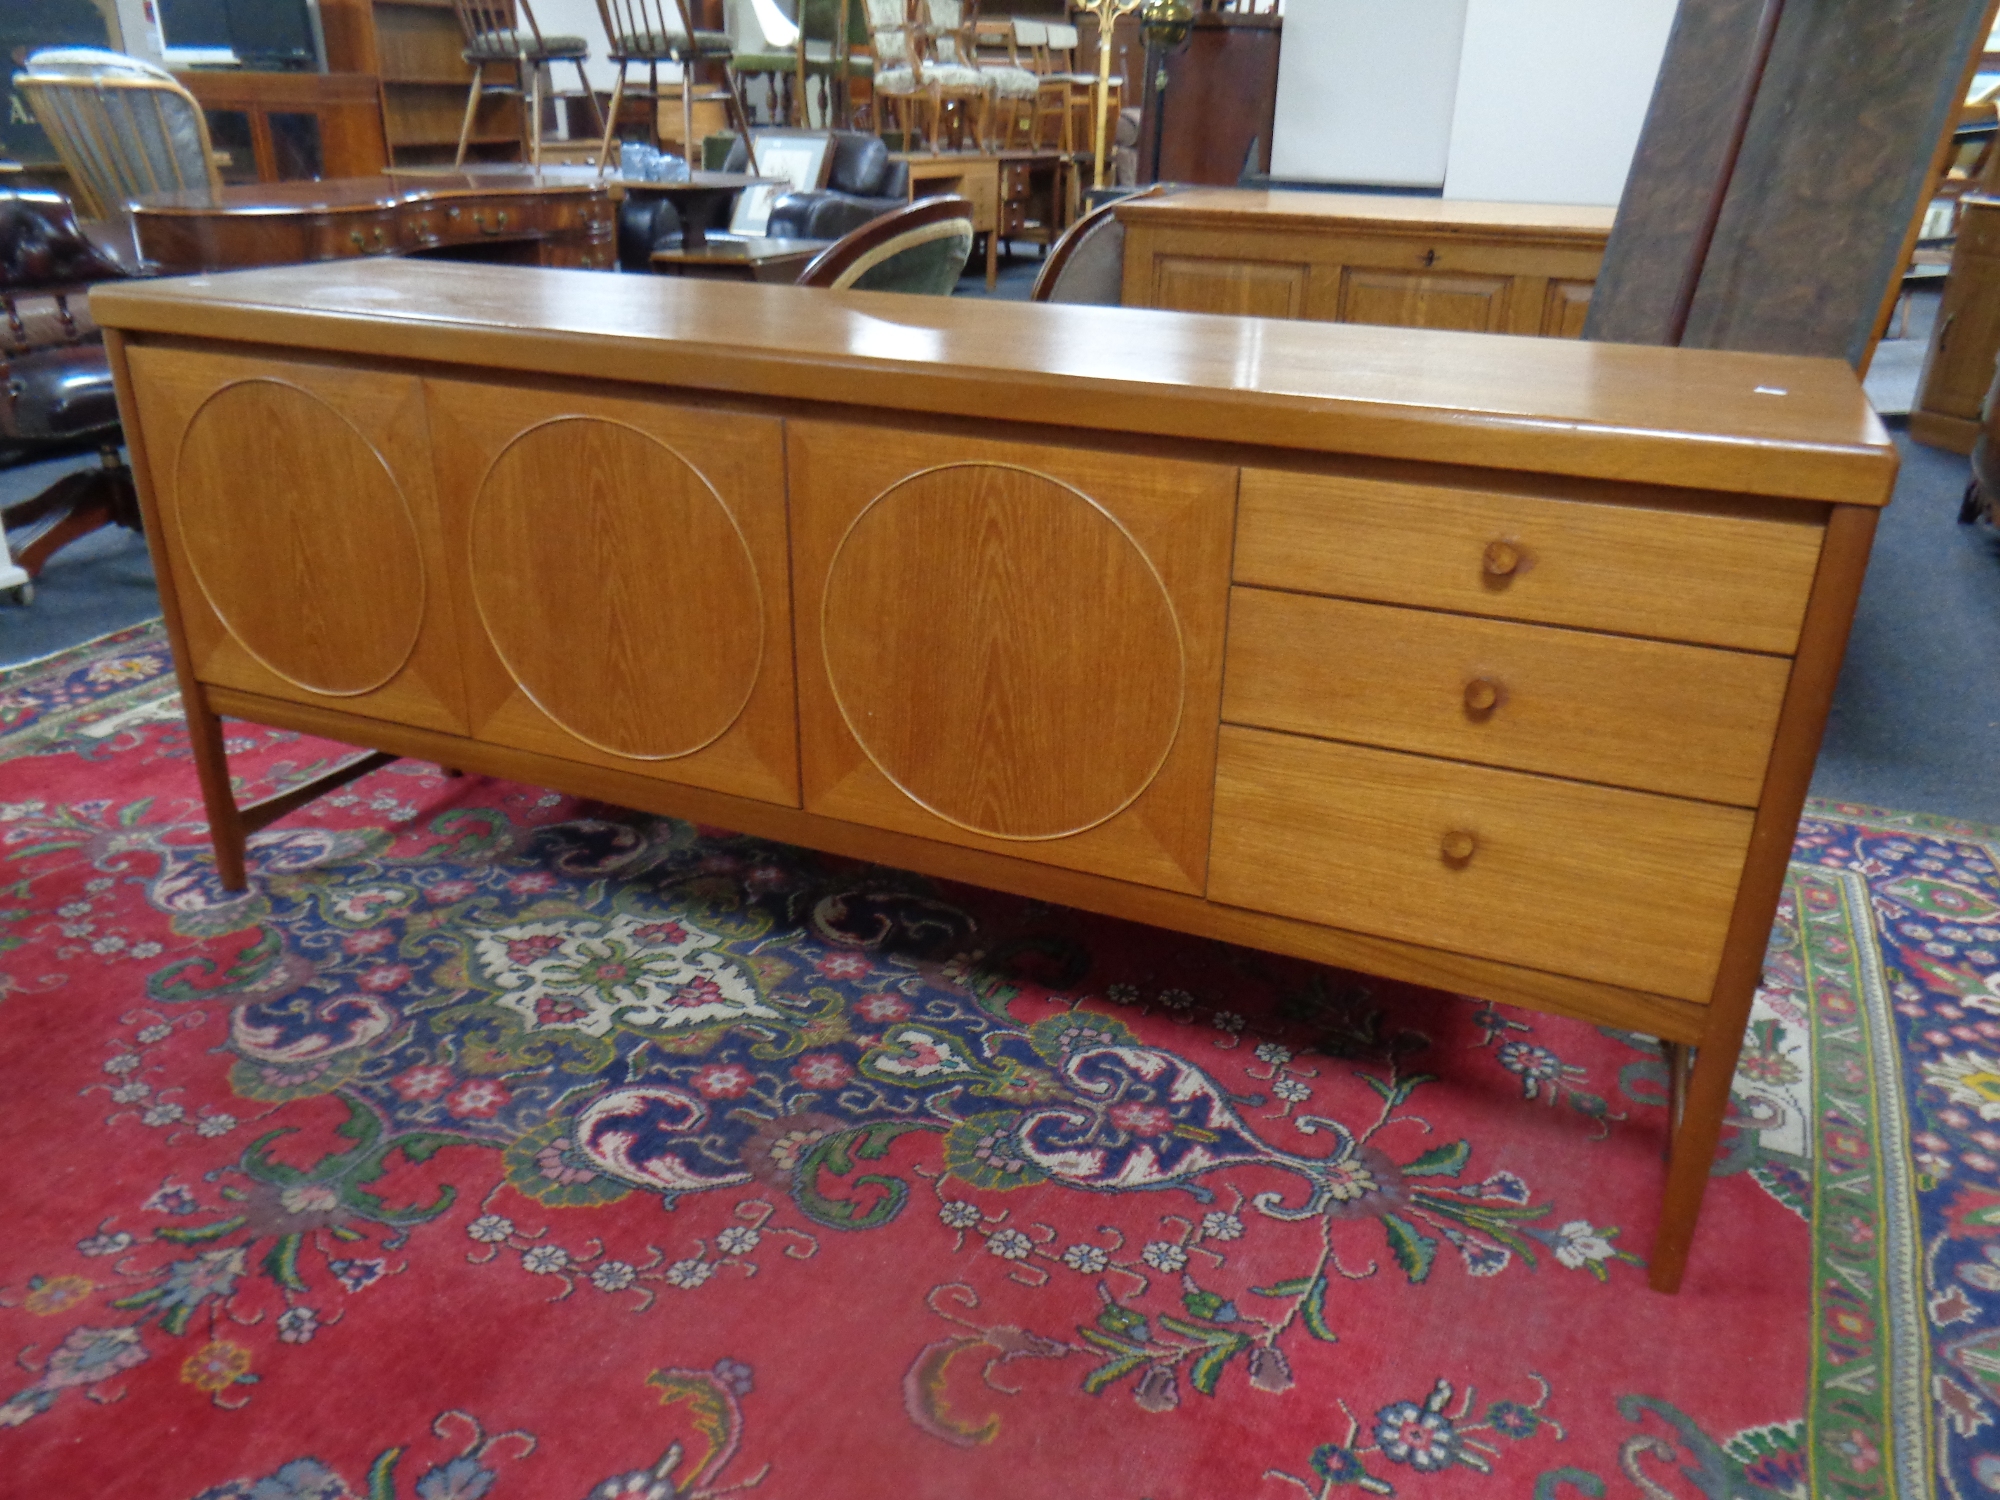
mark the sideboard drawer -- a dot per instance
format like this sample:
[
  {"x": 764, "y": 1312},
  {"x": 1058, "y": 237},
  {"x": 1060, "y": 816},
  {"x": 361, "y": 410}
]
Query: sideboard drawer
[
  {"x": 1687, "y": 720},
  {"x": 1623, "y": 887},
  {"x": 1676, "y": 574}
]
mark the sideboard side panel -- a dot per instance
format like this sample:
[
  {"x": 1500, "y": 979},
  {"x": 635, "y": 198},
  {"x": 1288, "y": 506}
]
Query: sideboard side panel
[{"x": 302, "y": 530}]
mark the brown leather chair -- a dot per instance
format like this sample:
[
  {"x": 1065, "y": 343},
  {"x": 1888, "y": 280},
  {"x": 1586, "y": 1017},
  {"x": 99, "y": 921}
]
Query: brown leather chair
[
  {"x": 922, "y": 249},
  {"x": 55, "y": 382}
]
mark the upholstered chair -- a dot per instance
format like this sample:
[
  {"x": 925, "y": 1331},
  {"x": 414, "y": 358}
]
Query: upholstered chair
[
  {"x": 921, "y": 248},
  {"x": 863, "y": 183}
]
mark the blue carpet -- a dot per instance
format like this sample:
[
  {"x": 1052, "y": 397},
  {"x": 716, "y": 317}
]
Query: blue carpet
[
  {"x": 100, "y": 583},
  {"x": 1916, "y": 720}
]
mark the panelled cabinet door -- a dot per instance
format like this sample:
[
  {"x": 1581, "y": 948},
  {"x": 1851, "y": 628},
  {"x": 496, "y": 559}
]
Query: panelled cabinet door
[
  {"x": 1012, "y": 647},
  {"x": 620, "y": 572},
  {"x": 302, "y": 531}
]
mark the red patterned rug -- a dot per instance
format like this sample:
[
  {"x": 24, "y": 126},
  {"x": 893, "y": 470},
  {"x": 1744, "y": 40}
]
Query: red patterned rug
[{"x": 498, "y": 1143}]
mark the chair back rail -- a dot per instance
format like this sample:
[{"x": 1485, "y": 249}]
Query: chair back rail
[
  {"x": 480, "y": 19},
  {"x": 645, "y": 28},
  {"x": 123, "y": 138}
]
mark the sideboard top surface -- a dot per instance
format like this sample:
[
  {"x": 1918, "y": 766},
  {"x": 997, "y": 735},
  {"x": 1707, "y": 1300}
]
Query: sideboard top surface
[
  {"x": 1261, "y": 208},
  {"x": 1698, "y": 419}
]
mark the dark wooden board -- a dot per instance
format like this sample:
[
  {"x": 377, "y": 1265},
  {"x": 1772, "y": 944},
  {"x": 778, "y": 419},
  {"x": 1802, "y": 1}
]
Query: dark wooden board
[
  {"x": 1682, "y": 151},
  {"x": 1833, "y": 171}
]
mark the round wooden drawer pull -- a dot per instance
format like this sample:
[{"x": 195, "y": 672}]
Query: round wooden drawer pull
[
  {"x": 1481, "y": 695},
  {"x": 1458, "y": 846},
  {"x": 1501, "y": 559}
]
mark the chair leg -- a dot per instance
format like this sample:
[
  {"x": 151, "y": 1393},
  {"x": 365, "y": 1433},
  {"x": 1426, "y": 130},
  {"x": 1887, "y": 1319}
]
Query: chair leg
[
  {"x": 687, "y": 112},
  {"x": 92, "y": 504},
  {"x": 741, "y": 117},
  {"x": 611, "y": 119},
  {"x": 588, "y": 92},
  {"x": 471, "y": 109},
  {"x": 535, "y": 115}
]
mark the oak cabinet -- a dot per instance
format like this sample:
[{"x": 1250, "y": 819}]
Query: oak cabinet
[
  {"x": 1355, "y": 258},
  {"x": 1958, "y": 365}
]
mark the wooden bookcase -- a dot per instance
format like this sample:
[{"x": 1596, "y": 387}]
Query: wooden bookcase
[{"x": 416, "y": 49}]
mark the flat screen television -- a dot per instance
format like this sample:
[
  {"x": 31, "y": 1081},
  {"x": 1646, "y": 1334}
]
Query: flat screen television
[{"x": 274, "y": 35}]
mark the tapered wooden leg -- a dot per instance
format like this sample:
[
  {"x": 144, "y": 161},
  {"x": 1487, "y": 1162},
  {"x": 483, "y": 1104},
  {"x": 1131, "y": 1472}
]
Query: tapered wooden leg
[
  {"x": 611, "y": 119},
  {"x": 688, "y": 72},
  {"x": 1675, "y": 1055},
  {"x": 211, "y": 768},
  {"x": 1703, "y": 1104},
  {"x": 534, "y": 113},
  {"x": 583, "y": 80},
  {"x": 471, "y": 109}
]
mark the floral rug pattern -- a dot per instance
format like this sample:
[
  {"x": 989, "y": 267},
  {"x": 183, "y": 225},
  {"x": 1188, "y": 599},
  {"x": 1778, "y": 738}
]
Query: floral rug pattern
[{"x": 496, "y": 1142}]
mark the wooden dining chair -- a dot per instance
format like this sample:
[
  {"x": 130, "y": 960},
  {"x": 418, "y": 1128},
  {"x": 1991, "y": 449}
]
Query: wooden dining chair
[
  {"x": 833, "y": 48},
  {"x": 917, "y": 80},
  {"x": 500, "y": 32},
  {"x": 122, "y": 127},
  {"x": 651, "y": 32},
  {"x": 922, "y": 248}
]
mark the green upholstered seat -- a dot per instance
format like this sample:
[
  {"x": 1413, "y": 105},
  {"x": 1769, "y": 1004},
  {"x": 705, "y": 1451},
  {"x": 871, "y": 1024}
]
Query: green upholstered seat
[
  {"x": 670, "y": 44},
  {"x": 516, "y": 46}
]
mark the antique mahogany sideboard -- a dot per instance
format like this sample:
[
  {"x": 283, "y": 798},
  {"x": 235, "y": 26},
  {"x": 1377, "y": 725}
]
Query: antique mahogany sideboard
[
  {"x": 1366, "y": 258},
  {"x": 1495, "y": 664}
]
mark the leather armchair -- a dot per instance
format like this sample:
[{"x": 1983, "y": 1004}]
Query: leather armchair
[
  {"x": 862, "y": 184},
  {"x": 56, "y": 394}
]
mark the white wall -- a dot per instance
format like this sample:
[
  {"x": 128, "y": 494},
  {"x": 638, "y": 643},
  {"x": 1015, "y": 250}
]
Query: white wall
[
  {"x": 1365, "y": 91},
  {"x": 1526, "y": 101},
  {"x": 1551, "y": 97}
]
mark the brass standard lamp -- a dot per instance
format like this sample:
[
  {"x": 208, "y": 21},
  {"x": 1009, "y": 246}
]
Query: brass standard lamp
[
  {"x": 1166, "y": 26},
  {"x": 1107, "y": 13}
]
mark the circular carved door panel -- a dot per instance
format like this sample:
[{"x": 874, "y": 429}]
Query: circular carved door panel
[
  {"x": 1003, "y": 651},
  {"x": 300, "y": 537},
  {"x": 638, "y": 627}
]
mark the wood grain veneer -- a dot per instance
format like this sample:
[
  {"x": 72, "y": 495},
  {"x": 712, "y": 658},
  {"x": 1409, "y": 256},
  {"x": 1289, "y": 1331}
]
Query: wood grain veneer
[
  {"x": 1720, "y": 579},
  {"x": 1528, "y": 647},
  {"x": 1542, "y": 406},
  {"x": 1645, "y": 714},
  {"x": 1622, "y": 887}
]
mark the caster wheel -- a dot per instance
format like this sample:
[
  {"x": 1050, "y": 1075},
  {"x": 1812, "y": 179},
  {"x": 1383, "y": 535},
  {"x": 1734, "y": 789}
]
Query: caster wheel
[
  {"x": 22, "y": 594},
  {"x": 1970, "y": 507}
]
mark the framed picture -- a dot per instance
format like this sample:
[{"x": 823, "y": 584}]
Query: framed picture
[{"x": 801, "y": 160}]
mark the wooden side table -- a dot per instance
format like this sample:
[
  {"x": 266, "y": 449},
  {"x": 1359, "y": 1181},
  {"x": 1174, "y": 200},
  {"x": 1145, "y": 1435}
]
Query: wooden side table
[
  {"x": 974, "y": 178},
  {"x": 754, "y": 259},
  {"x": 1959, "y": 365}
]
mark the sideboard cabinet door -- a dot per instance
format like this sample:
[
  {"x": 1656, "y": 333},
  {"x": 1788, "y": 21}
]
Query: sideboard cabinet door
[
  {"x": 620, "y": 571},
  {"x": 1012, "y": 647},
  {"x": 302, "y": 531}
]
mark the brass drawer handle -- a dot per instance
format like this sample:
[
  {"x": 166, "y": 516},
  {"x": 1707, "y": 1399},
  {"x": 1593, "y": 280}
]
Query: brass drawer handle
[
  {"x": 1458, "y": 847},
  {"x": 500, "y": 222},
  {"x": 1482, "y": 696},
  {"x": 1501, "y": 559}
]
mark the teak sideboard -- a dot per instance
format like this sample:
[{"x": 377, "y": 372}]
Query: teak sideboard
[
  {"x": 1366, "y": 258},
  {"x": 1494, "y": 664}
]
